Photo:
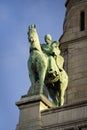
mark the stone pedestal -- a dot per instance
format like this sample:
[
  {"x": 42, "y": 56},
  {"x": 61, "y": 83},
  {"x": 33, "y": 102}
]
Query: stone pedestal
[
  {"x": 37, "y": 113},
  {"x": 68, "y": 117},
  {"x": 30, "y": 112}
]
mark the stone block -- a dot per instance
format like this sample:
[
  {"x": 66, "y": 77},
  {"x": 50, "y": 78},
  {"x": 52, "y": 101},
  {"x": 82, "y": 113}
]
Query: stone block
[
  {"x": 30, "y": 111},
  {"x": 68, "y": 116}
]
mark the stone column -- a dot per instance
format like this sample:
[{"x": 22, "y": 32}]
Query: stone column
[{"x": 30, "y": 112}]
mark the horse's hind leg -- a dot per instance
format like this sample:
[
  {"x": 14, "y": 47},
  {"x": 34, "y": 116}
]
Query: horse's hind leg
[
  {"x": 61, "y": 94},
  {"x": 63, "y": 86},
  {"x": 61, "y": 100},
  {"x": 32, "y": 78}
]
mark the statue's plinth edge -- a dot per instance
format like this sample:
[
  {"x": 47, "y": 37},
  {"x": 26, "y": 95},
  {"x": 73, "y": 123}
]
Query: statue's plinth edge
[
  {"x": 33, "y": 99},
  {"x": 30, "y": 111}
]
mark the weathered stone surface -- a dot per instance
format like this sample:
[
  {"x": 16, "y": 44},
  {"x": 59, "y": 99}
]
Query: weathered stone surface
[
  {"x": 37, "y": 113},
  {"x": 75, "y": 42},
  {"x": 30, "y": 111},
  {"x": 66, "y": 117}
]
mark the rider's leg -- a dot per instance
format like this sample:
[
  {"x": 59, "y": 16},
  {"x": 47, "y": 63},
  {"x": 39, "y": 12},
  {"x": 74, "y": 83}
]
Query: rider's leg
[{"x": 52, "y": 65}]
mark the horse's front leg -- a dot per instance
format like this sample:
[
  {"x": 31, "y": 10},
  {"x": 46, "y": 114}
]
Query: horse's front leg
[
  {"x": 32, "y": 77},
  {"x": 42, "y": 75}
]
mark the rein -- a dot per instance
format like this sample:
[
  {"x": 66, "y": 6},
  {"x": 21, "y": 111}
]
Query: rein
[{"x": 32, "y": 49}]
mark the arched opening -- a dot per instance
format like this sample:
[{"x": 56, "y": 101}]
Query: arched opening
[{"x": 82, "y": 21}]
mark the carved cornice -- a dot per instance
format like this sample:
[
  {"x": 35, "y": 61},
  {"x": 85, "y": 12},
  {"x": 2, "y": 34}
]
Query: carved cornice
[{"x": 73, "y": 41}]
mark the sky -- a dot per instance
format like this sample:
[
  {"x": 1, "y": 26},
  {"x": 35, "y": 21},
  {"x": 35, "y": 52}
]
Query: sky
[{"x": 15, "y": 17}]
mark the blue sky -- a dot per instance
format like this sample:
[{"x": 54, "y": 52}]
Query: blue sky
[{"x": 15, "y": 16}]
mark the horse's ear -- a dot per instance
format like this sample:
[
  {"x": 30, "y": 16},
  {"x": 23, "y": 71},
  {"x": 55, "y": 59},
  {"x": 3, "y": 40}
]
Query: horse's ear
[
  {"x": 29, "y": 27},
  {"x": 34, "y": 26}
]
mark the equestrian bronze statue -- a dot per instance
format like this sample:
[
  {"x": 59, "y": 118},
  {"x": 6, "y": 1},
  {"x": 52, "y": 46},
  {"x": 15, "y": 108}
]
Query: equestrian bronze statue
[{"x": 45, "y": 66}]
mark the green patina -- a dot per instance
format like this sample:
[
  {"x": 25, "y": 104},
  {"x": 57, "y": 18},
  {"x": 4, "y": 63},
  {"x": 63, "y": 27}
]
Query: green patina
[{"x": 45, "y": 65}]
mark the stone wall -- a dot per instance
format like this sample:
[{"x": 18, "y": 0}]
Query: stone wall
[
  {"x": 73, "y": 44},
  {"x": 38, "y": 113},
  {"x": 68, "y": 117}
]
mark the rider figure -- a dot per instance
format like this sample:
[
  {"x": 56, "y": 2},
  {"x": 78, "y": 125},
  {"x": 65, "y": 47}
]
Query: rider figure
[
  {"x": 47, "y": 48},
  {"x": 52, "y": 50}
]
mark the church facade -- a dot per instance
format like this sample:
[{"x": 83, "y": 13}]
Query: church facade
[{"x": 74, "y": 48}]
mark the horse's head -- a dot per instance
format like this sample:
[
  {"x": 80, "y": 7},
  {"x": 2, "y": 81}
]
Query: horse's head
[
  {"x": 33, "y": 37},
  {"x": 32, "y": 34}
]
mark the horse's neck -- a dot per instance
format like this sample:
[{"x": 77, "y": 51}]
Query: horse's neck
[{"x": 37, "y": 46}]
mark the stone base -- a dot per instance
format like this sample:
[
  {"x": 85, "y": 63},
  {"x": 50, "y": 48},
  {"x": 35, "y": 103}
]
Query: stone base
[
  {"x": 30, "y": 112},
  {"x": 68, "y": 117},
  {"x": 38, "y": 113}
]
